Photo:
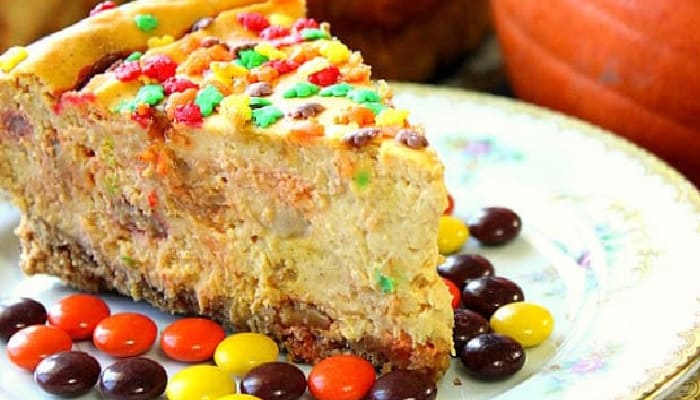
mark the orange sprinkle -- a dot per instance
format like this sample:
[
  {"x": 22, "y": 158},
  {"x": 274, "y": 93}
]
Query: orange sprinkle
[
  {"x": 304, "y": 53},
  {"x": 363, "y": 116},
  {"x": 162, "y": 163},
  {"x": 357, "y": 74},
  {"x": 200, "y": 59},
  {"x": 178, "y": 99},
  {"x": 305, "y": 132}
]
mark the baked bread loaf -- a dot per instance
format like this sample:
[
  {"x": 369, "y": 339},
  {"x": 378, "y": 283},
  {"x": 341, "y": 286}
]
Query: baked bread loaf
[{"x": 229, "y": 158}]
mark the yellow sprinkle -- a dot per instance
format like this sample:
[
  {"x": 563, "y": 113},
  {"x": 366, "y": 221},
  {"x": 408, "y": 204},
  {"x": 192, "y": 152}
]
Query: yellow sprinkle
[
  {"x": 335, "y": 52},
  {"x": 225, "y": 71},
  {"x": 314, "y": 65},
  {"x": 12, "y": 57},
  {"x": 236, "y": 108},
  {"x": 281, "y": 20},
  {"x": 270, "y": 51},
  {"x": 156, "y": 41},
  {"x": 392, "y": 117}
]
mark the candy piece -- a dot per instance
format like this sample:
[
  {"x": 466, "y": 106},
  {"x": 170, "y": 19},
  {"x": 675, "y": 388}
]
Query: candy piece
[
  {"x": 403, "y": 384},
  {"x": 241, "y": 352},
  {"x": 307, "y": 110},
  {"x": 492, "y": 356},
  {"x": 264, "y": 117},
  {"x": 450, "y": 205},
  {"x": 452, "y": 233},
  {"x": 303, "y": 23},
  {"x": 159, "y": 67},
  {"x": 454, "y": 291},
  {"x": 274, "y": 32},
  {"x": 337, "y": 90},
  {"x": 528, "y": 323},
  {"x": 464, "y": 267},
  {"x": 305, "y": 131},
  {"x": 302, "y": 90},
  {"x": 392, "y": 117},
  {"x": 495, "y": 226},
  {"x": 226, "y": 71},
  {"x": 32, "y": 344},
  {"x": 257, "y": 102},
  {"x": 150, "y": 94},
  {"x": 375, "y": 107},
  {"x": 275, "y": 380},
  {"x": 236, "y": 108},
  {"x": 178, "y": 85},
  {"x": 239, "y": 396},
  {"x": 485, "y": 295},
  {"x": 361, "y": 95},
  {"x": 20, "y": 314},
  {"x": 104, "y": 6},
  {"x": 200, "y": 382},
  {"x": 283, "y": 20},
  {"x": 128, "y": 71},
  {"x": 283, "y": 66},
  {"x": 385, "y": 283},
  {"x": 314, "y": 34},
  {"x": 271, "y": 52},
  {"x": 253, "y": 21},
  {"x": 207, "y": 99},
  {"x": 125, "y": 334},
  {"x": 146, "y": 22},
  {"x": 67, "y": 374},
  {"x": 315, "y": 64},
  {"x": 468, "y": 325},
  {"x": 259, "y": 89},
  {"x": 161, "y": 41},
  {"x": 361, "y": 137},
  {"x": 335, "y": 51},
  {"x": 191, "y": 339},
  {"x": 78, "y": 315},
  {"x": 250, "y": 59},
  {"x": 341, "y": 378},
  {"x": 325, "y": 77},
  {"x": 136, "y": 378},
  {"x": 135, "y": 56},
  {"x": 412, "y": 139},
  {"x": 362, "y": 116},
  {"x": 189, "y": 114},
  {"x": 12, "y": 57}
]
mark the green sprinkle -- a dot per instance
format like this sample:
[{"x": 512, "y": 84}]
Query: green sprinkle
[
  {"x": 135, "y": 56},
  {"x": 302, "y": 89},
  {"x": 207, "y": 99},
  {"x": 376, "y": 108},
  {"x": 128, "y": 261},
  {"x": 146, "y": 22},
  {"x": 362, "y": 178},
  {"x": 337, "y": 90},
  {"x": 364, "y": 96},
  {"x": 385, "y": 283},
  {"x": 314, "y": 34},
  {"x": 251, "y": 59},
  {"x": 257, "y": 102},
  {"x": 150, "y": 94},
  {"x": 125, "y": 105},
  {"x": 264, "y": 117}
]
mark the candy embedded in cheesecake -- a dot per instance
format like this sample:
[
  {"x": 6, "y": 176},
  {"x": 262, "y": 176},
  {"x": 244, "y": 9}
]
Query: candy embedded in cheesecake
[{"x": 229, "y": 158}]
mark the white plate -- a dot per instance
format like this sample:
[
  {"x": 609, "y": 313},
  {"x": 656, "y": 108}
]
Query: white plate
[{"x": 608, "y": 245}]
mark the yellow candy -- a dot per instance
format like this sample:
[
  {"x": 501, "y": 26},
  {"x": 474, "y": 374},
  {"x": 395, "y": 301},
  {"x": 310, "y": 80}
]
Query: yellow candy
[
  {"x": 156, "y": 41},
  {"x": 314, "y": 65},
  {"x": 270, "y": 51},
  {"x": 452, "y": 233},
  {"x": 236, "y": 107},
  {"x": 335, "y": 52},
  {"x": 281, "y": 20},
  {"x": 239, "y": 397},
  {"x": 241, "y": 352},
  {"x": 528, "y": 323},
  {"x": 392, "y": 117},
  {"x": 12, "y": 57},
  {"x": 225, "y": 71},
  {"x": 200, "y": 382}
]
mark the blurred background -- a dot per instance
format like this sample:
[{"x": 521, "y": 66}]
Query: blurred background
[{"x": 632, "y": 67}]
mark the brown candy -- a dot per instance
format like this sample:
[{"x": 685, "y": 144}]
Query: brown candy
[
  {"x": 259, "y": 89},
  {"x": 412, "y": 139},
  {"x": 307, "y": 110},
  {"x": 361, "y": 137}
]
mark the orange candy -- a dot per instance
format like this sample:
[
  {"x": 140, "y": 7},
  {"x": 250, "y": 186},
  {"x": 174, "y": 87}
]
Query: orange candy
[
  {"x": 78, "y": 315},
  {"x": 191, "y": 339},
  {"x": 341, "y": 378},
  {"x": 32, "y": 344},
  {"x": 125, "y": 334}
]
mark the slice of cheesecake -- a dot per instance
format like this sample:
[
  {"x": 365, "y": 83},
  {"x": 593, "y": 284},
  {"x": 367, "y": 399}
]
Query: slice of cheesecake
[{"x": 233, "y": 159}]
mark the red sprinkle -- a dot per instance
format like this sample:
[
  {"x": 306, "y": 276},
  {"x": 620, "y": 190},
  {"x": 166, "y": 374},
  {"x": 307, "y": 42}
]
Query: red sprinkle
[
  {"x": 283, "y": 66},
  {"x": 160, "y": 67},
  {"x": 303, "y": 23},
  {"x": 178, "y": 85},
  {"x": 153, "y": 200},
  {"x": 104, "y": 6},
  {"x": 74, "y": 99},
  {"x": 274, "y": 32},
  {"x": 128, "y": 71},
  {"x": 325, "y": 77},
  {"x": 450, "y": 205},
  {"x": 143, "y": 115},
  {"x": 253, "y": 21},
  {"x": 189, "y": 114}
]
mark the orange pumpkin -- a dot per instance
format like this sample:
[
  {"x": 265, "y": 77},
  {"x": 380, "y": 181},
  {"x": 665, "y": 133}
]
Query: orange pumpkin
[{"x": 630, "y": 66}]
